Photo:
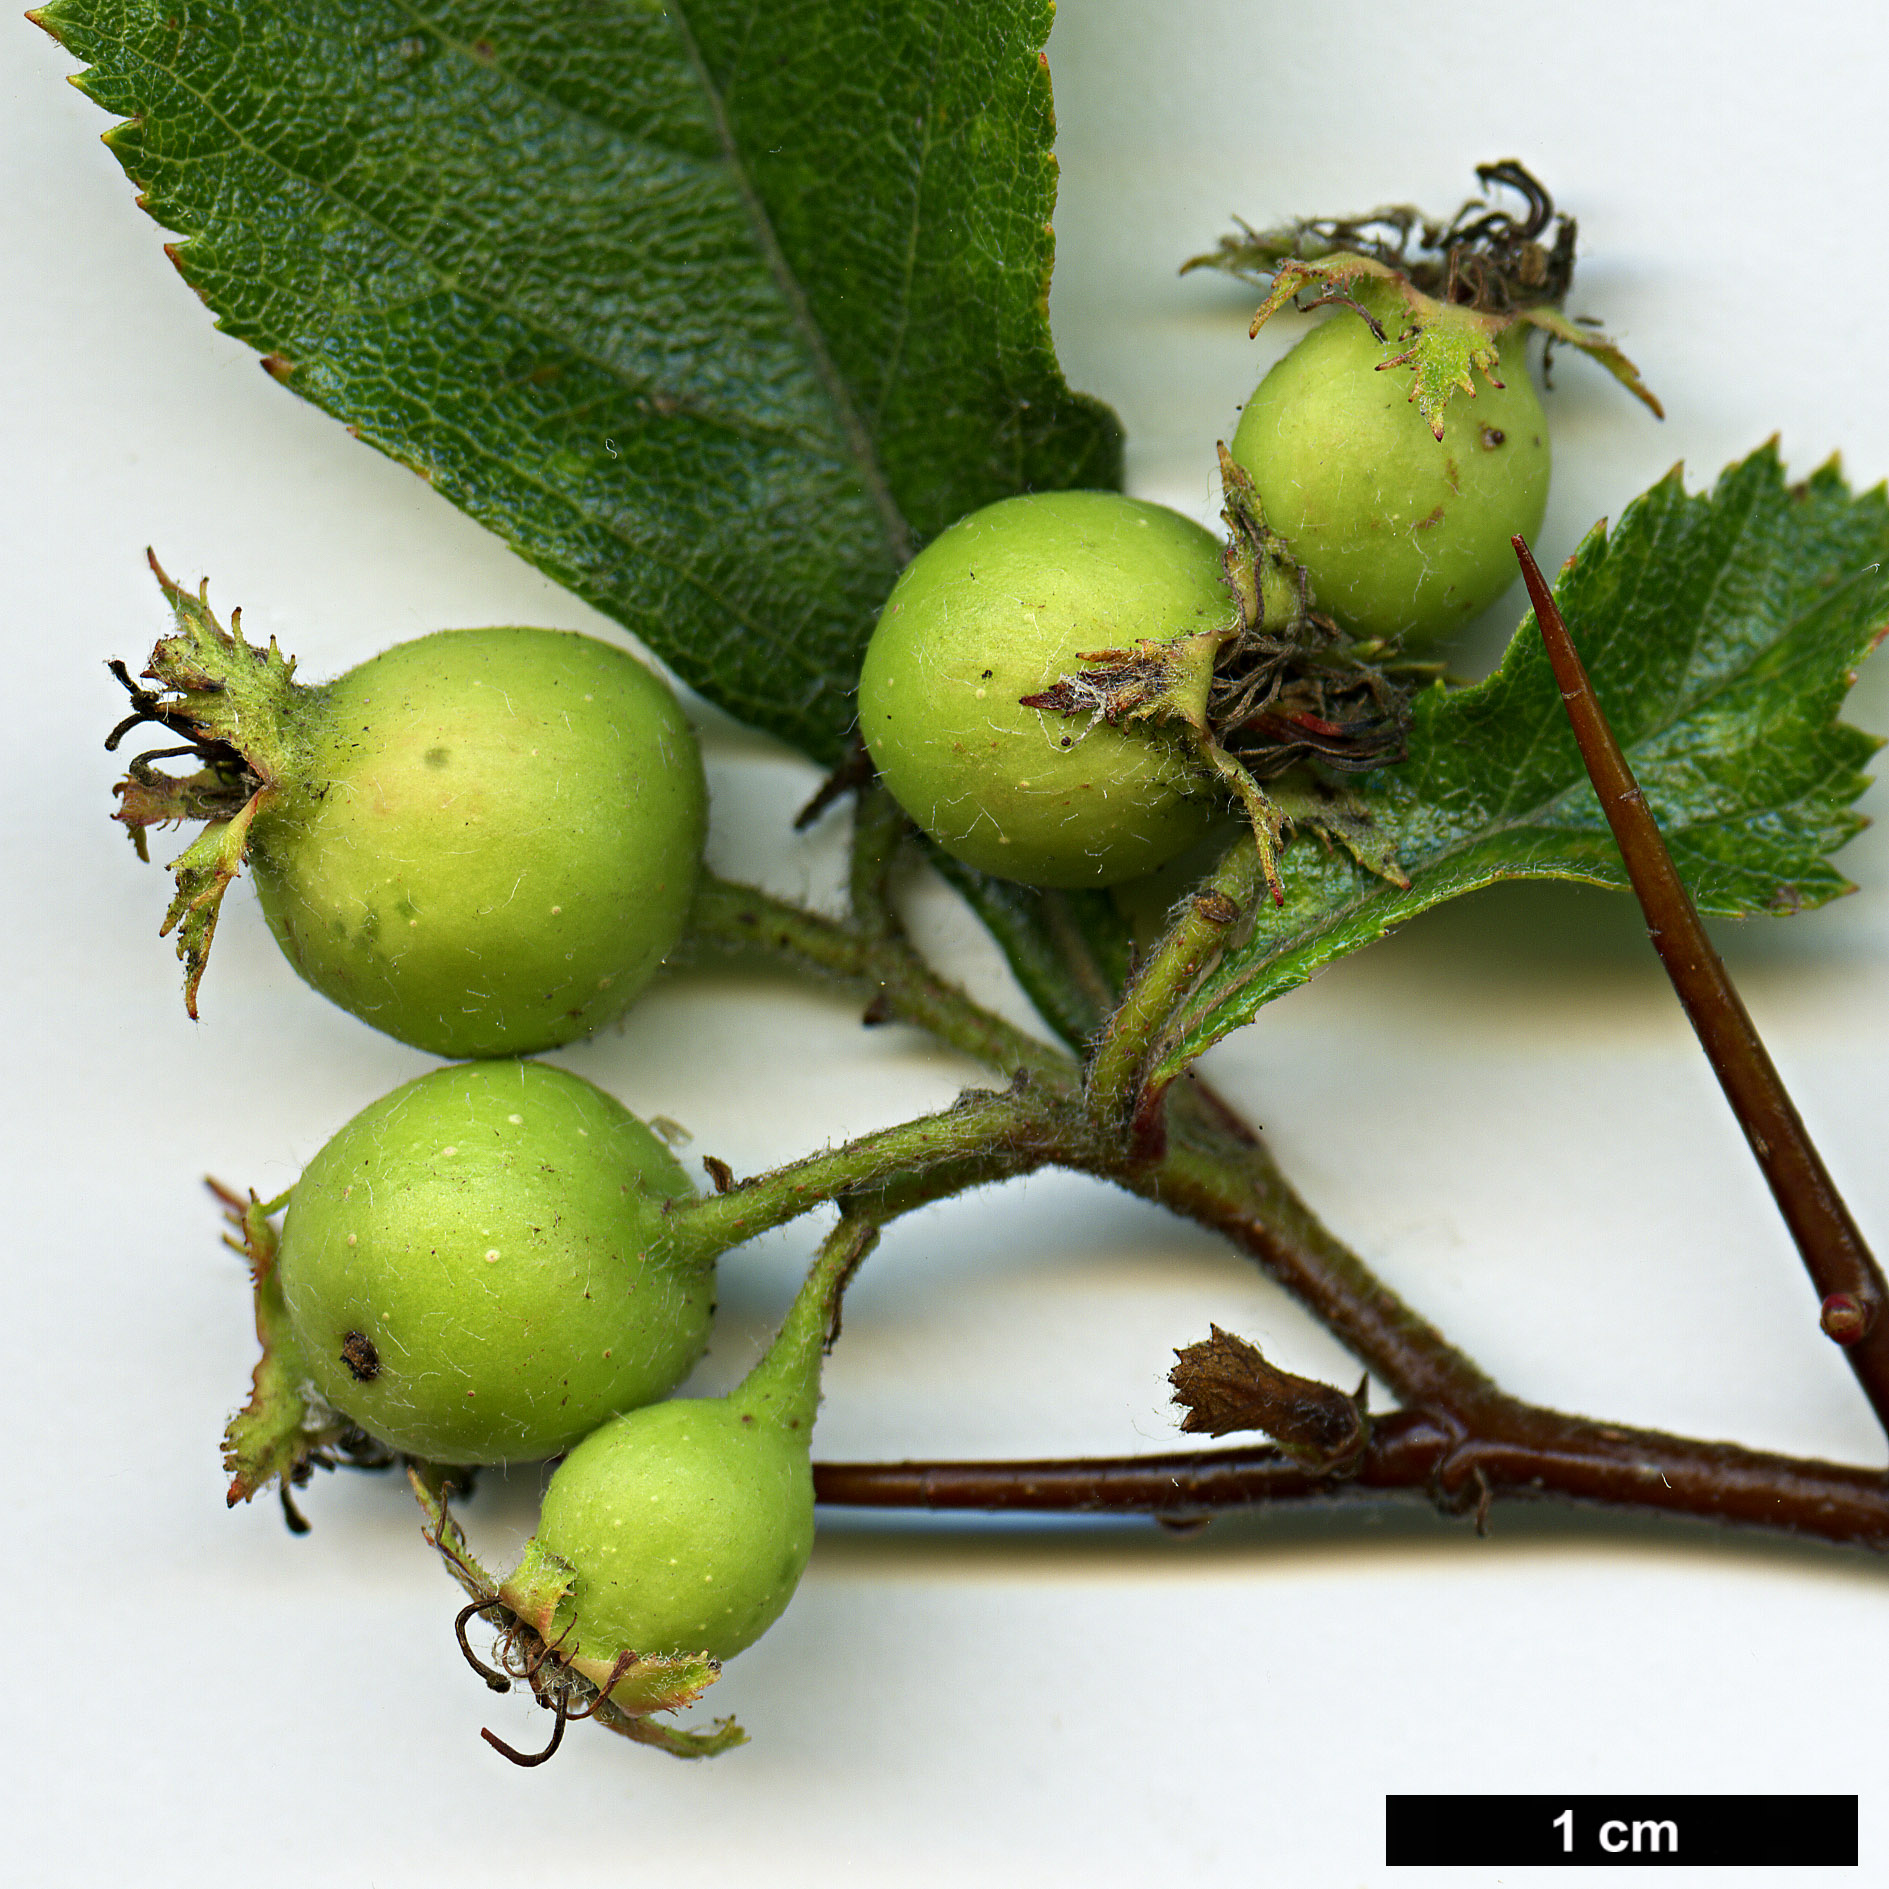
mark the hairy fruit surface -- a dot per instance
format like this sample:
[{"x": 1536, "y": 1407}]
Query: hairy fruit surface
[
  {"x": 495, "y": 842},
  {"x": 688, "y": 1524},
  {"x": 679, "y": 1532}
]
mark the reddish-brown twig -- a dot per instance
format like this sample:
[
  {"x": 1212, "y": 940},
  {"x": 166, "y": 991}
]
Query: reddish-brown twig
[
  {"x": 1518, "y": 1452},
  {"x": 1841, "y": 1267}
]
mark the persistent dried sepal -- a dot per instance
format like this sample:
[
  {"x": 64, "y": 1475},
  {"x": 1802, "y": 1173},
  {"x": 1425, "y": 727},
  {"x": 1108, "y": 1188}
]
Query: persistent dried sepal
[
  {"x": 1226, "y": 1385},
  {"x": 231, "y": 706},
  {"x": 723, "y": 1735},
  {"x": 1276, "y": 688},
  {"x": 1444, "y": 345},
  {"x": 1442, "y": 295},
  {"x": 1269, "y": 585},
  {"x": 1482, "y": 256},
  {"x": 1154, "y": 682},
  {"x": 537, "y": 1594},
  {"x": 204, "y": 870},
  {"x": 284, "y": 1432},
  {"x": 215, "y": 688},
  {"x": 148, "y": 798}
]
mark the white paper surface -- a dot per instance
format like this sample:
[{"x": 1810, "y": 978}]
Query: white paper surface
[{"x": 1502, "y": 1108}]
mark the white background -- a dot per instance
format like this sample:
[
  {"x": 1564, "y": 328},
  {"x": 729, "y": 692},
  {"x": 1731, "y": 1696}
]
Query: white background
[{"x": 1501, "y": 1108}]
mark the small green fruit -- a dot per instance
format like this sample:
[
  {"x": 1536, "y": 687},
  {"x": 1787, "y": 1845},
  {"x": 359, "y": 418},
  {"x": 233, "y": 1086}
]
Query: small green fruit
[
  {"x": 475, "y": 1266},
  {"x": 1002, "y": 606},
  {"x": 483, "y": 842},
  {"x": 682, "y": 1530},
  {"x": 492, "y": 840},
  {"x": 689, "y": 1525},
  {"x": 1402, "y": 534}
]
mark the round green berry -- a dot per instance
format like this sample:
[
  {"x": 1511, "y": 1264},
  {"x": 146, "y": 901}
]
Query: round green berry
[
  {"x": 688, "y": 1525},
  {"x": 475, "y": 1266},
  {"x": 1002, "y": 606},
  {"x": 1402, "y": 534},
  {"x": 489, "y": 840}
]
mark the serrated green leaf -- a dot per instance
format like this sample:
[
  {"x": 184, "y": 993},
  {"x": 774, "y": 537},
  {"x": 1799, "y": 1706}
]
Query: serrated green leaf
[
  {"x": 1721, "y": 632},
  {"x": 712, "y": 311}
]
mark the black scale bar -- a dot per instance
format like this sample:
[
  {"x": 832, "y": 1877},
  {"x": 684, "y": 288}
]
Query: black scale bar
[{"x": 1631, "y": 1832}]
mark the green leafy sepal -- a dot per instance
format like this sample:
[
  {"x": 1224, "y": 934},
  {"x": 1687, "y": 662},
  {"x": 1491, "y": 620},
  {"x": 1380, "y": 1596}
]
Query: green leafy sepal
[
  {"x": 285, "y": 1431},
  {"x": 234, "y": 707},
  {"x": 1444, "y": 344}
]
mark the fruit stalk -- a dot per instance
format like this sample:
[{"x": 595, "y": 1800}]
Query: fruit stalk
[
  {"x": 985, "y": 1134},
  {"x": 733, "y": 918},
  {"x": 1216, "y": 1171},
  {"x": 785, "y": 1385},
  {"x": 1196, "y": 939}
]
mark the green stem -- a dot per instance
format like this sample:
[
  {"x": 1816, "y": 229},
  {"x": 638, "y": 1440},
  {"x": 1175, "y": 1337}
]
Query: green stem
[
  {"x": 1194, "y": 942},
  {"x": 1216, "y": 1174},
  {"x": 784, "y": 1388},
  {"x": 982, "y": 1137},
  {"x": 731, "y": 917}
]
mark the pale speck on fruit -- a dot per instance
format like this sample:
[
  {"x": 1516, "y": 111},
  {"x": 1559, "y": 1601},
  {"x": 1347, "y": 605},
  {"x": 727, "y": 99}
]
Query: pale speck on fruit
[{"x": 517, "y": 1121}]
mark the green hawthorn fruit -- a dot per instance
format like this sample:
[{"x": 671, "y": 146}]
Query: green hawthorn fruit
[
  {"x": 491, "y": 841},
  {"x": 689, "y": 1524},
  {"x": 681, "y": 1530},
  {"x": 475, "y": 1266},
  {"x": 482, "y": 842},
  {"x": 1402, "y": 534},
  {"x": 1002, "y": 606}
]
